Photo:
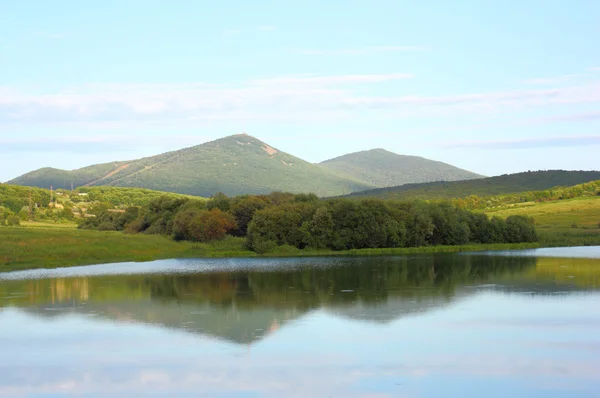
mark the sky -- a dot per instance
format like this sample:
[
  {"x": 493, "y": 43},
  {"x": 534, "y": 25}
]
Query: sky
[{"x": 493, "y": 87}]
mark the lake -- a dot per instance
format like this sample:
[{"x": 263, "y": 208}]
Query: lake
[{"x": 497, "y": 324}]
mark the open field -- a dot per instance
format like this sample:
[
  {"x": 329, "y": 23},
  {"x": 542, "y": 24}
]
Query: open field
[
  {"x": 563, "y": 222},
  {"x": 49, "y": 224},
  {"x": 39, "y": 247}
]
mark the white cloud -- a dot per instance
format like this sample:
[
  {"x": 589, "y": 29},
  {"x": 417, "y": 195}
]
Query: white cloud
[
  {"x": 101, "y": 103},
  {"x": 291, "y": 98}
]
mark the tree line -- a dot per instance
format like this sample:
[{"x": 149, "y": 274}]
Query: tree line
[{"x": 307, "y": 222}]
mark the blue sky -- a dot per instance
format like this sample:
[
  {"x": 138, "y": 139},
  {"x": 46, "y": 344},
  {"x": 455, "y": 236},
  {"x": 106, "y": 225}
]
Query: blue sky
[{"x": 493, "y": 87}]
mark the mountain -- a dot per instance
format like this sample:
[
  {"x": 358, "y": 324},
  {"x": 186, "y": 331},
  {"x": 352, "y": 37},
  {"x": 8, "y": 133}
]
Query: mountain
[
  {"x": 386, "y": 169},
  {"x": 491, "y": 186},
  {"x": 241, "y": 164},
  {"x": 47, "y": 176}
]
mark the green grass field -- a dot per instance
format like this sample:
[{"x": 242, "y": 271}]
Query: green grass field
[
  {"x": 563, "y": 222},
  {"x": 44, "y": 246}
]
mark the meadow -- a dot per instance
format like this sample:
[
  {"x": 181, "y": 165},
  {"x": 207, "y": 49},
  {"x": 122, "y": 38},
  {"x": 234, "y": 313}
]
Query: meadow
[
  {"x": 573, "y": 222},
  {"x": 50, "y": 246}
]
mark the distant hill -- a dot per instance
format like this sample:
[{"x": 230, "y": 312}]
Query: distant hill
[
  {"x": 500, "y": 185},
  {"x": 48, "y": 176},
  {"x": 235, "y": 165},
  {"x": 241, "y": 164},
  {"x": 385, "y": 169}
]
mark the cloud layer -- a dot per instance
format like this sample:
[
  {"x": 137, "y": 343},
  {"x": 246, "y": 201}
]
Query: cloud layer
[{"x": 291, "y": 98}]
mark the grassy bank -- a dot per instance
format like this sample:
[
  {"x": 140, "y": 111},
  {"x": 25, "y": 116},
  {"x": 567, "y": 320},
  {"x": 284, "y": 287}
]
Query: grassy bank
[
  {"x": 38, "y": 245},
  {"x": 49, "y": 247}
]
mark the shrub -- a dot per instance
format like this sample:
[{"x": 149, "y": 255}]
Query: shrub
[{"x": 210, "y": 225}]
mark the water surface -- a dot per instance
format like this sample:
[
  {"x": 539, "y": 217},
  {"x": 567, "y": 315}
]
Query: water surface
[{"x": 519, "y": 324}]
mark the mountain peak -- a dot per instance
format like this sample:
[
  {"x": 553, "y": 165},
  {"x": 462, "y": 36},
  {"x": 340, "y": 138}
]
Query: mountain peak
[{"x": 243, "y": 164}]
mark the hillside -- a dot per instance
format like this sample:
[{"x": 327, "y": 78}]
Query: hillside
[
  {"x": 491, "y": 186},
  {"x": 65, "y": 205},
  {"x": 48, "y": 176},
  {"x": 386, "y": 169},
  {"x": 235, "y": 165}
]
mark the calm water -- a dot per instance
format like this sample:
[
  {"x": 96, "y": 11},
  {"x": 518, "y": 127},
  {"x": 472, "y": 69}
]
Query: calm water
[{"x": 488, "y": 325}]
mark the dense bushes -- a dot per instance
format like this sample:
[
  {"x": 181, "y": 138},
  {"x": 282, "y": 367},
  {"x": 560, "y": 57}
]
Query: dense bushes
[
  {"x": 8, "y": 218},
  {"x": 304, "y": 221},
  {"x": 342, "y": 224}
]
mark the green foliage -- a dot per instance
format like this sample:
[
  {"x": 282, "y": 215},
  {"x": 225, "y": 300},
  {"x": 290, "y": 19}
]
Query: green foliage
[
  {"x": 8, "y": 218},
  {"x": 303, "y": 221},
  {"x": 15, "y": 197},
  {"x": 183, "y": 219},
  {"x": 519, "y": 229},
  {"x": 341, "y": 224},
  {"x": 281, "y": 224},
  {"x": 67, "y": 206},
  {"x": 588, "y": 189},
  {"x": 243, "y": 209},
  {"x": 219, "y": 201},
  {"x": 123, "y": 197}
]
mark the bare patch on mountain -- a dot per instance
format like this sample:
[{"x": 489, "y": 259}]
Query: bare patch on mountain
[{"x": 270, "y": 150}]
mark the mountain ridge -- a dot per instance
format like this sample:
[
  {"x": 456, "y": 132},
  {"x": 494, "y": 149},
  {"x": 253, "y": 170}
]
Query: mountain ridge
[
  {"x": 490, "y": 186},
  {"x": 242, "y": 164},
  {"x": 386, "y": 169}
]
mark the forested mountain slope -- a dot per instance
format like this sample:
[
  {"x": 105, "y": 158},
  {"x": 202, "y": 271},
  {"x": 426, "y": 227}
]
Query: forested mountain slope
[
  {"x": 238, "y": 164},
  {"x": 385, "y": 169},
  {"x": 241, "y": 164},
  {"x": 491, "y": 186}
]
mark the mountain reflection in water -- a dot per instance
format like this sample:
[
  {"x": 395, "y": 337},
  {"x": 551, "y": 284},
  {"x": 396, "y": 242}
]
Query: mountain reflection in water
[
  {"x": 246, "y": 305},
  {"x": 422, "y": 326}
]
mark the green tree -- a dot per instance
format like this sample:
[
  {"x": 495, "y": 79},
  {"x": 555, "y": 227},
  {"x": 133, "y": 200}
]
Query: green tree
[{"x": 243, "y": 209}]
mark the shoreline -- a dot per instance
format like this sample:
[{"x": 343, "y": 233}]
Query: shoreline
[
  {"x": 23, "y": 248},
  {"x": 38, "y": 248}
]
